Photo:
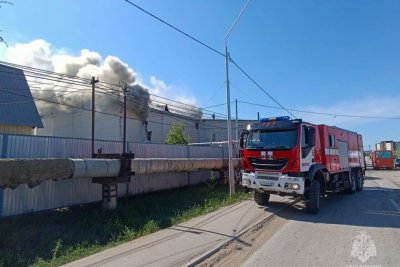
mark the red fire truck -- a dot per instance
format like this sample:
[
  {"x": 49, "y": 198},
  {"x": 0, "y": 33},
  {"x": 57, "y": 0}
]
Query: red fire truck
[
  {"x": 383, "y": 159},
  {"x": 293, "y": 157}
]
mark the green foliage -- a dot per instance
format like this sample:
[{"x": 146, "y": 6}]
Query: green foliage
[
  {"x": 176, "y": 136},
  {"x": 212, "y": 181},
  {"x": 57, "y": 237},
  {"x": 57, "y": 249}
]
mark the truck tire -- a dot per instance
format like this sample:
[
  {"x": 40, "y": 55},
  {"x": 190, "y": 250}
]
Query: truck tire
[
  {"x": 261, "y": 198},
  {"x": 353, "y": 184},
  {"x": 359, "y": 181},
  {"x": 312, "y": 204}
]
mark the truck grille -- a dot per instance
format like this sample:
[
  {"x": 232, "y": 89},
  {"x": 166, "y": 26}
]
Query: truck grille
[
  {"x": 268, "y": 177},
  {"x": 268, "y": 164}
]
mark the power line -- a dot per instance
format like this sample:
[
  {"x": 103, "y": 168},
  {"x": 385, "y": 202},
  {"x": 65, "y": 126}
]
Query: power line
[
  {"x": 57, "y": 82},
  {"x": 54, "y": 79},
  {"x": 213, "y": 49},
  {"x": 218, "y": 105},
  {"x": 324, "y": 113},
  {"x": 190, "y": 107},
  {"x": 237, "y": 19},
  {"x": 106, "y": 113},
  {"x": 260, "y": 87},
  {"x": 45, "y": 71},
  {"x": 86, "y": 109},
  {"x": 175, "y": 28}
]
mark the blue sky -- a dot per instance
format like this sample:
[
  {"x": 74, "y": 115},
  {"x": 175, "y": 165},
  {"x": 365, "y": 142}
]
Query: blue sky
[{"x": 338, "y": 57}]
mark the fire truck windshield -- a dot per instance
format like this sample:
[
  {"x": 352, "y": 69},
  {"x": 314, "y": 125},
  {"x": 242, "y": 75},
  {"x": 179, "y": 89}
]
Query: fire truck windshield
[
  {"x": 259, "y": 139},
  {"x": 383, "y": 155}
]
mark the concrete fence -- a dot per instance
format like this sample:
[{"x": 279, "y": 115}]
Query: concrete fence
[{"x": 53, "y": 194}]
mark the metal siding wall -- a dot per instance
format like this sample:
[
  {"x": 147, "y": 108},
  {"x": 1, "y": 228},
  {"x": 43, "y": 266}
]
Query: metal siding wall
[
  {"x": 50, "y": 147},
  {"x": 157, "y": 150},
  {"x": 205, "y": 152},
  {"x": 1, "y": 201},
  {"x": 1, "y": 145},
  {"x": 159, "y": 181},
  {"x": 49, "y": 195},
  {"x": 55, "y": 194},
  {"x": 199, "y": 177}
]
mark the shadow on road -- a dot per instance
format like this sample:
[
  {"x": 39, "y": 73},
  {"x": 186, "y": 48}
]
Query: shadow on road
[
  {"x": 372, "y": 178},
  {"x": 372, "y": 207}
]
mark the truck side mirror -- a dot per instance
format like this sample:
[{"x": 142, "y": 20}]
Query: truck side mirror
[
  {"x": 242, "y": 135},
  {"x": 310, "y": 136}
]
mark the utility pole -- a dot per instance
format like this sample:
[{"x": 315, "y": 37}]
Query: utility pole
[
  {"x": 229, "y": 126},
  {"x": 124, "y": 131},
  {"x": 236, "y": 136},
  {"x": 93, "y": 82},
  {"x": 228, "y": 101}
]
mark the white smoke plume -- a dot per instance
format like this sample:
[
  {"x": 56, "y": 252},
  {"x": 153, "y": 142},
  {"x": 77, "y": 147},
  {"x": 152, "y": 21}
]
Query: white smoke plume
[
  {"x": 182, "y": 104},
  {"x": 40, "y": 54}
]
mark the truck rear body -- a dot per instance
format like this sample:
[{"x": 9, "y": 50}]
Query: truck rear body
[{"x": 383, "y": 159}]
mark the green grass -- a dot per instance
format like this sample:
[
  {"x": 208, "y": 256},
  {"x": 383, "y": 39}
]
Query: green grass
[{"x": 64, "y": 235}]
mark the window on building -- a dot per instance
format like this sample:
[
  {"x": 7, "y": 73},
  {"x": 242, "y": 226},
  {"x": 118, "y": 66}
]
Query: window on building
[{"x": 331, "y": 140}]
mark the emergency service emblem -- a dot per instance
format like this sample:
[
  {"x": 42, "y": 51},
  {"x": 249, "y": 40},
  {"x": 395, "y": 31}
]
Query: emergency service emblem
[
  {"x": 363, "y": 247},
  {"x": 263, "y": 155},
  {"x": 270, "y": 155}
]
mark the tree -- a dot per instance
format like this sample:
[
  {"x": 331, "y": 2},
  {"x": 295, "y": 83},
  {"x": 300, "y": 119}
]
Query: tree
[{"x": 176, "y": 136}]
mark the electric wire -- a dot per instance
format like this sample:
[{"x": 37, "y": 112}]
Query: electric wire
[
  {"x": 104, "y": 113},
  {"x": 324, "y": 113},
  {"x": 36, "y": 73},
  {"x": 175, "y": 28},
  {"x": 260, "y": 87},
  {"x": 213, "y": 49}
]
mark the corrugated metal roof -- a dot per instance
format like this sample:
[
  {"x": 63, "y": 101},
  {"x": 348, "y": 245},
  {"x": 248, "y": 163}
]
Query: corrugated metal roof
[{"x": 17, "y": 106}]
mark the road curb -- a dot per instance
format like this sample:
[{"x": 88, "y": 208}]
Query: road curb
[{"x": 199, "y": 259}]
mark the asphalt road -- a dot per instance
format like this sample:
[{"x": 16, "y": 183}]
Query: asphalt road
[{"x": 362, "y": 229}]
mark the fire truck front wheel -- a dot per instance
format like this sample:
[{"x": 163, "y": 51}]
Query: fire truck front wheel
[
  {"x": 261, "y": 198},
  {"x": 312, "y": 203}
]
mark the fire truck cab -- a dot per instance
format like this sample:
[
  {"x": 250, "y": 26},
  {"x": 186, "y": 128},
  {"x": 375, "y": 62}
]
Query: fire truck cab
[{"x": 291, "y": 157}]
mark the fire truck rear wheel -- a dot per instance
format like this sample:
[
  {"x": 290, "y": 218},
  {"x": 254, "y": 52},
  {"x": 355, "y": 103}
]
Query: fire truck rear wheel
[
  {"x": 359, "y": 181},
  {"x": 261, "y": 198},
  {"x": 312, "y": 204},
  {"x": 353, "y": 184}
]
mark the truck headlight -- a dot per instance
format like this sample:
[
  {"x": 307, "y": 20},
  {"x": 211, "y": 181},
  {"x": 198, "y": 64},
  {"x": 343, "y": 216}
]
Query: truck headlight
[
  {"x": 293, "y": 186},
  {"x": 245, "y": 181}
]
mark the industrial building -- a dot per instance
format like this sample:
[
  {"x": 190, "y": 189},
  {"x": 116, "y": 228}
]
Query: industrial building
[
  {"x": 388, "y": 145},
  {"x": 51, "y": 130}
]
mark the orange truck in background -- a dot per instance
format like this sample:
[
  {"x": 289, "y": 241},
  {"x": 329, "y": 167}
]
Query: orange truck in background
[{"x": 383, "y": 159}]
